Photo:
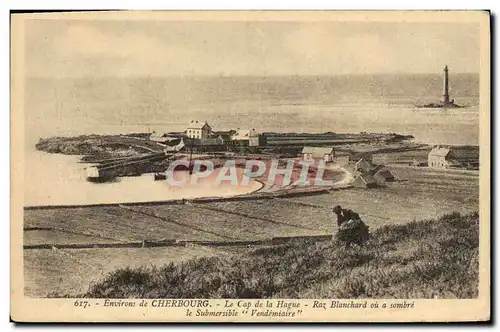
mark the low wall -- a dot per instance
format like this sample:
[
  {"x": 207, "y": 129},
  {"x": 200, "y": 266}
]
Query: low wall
[
  {"x": 252, "y": 196},
  {"x": 179, "y": 243},
  {"x": 314, "y": 192},
  {"x": 440, "y": 170}
]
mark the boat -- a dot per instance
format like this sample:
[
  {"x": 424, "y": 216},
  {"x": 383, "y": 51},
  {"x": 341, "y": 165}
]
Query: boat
[
  {"x": 99, "y": 175},
  {"x": 160, "y": 176}
]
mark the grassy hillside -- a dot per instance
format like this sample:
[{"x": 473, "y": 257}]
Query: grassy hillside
[{"x": 424, "y": 259}]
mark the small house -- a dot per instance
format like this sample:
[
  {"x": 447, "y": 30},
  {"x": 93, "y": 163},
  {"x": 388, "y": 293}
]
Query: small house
[
  {"x": 256, "y": 139},
  {"x": 363, "y": 165},
  {"x": 365, "y": 180},
  {"x": 199, "y": 130},
  {"x": 242, "y": 136},
  {"x": 314, "y": 153},
  {"x": 438, "y": 157}
]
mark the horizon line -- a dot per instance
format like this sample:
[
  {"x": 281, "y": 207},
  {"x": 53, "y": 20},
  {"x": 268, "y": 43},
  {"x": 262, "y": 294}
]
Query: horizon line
[{"x": 244, "y": 75}]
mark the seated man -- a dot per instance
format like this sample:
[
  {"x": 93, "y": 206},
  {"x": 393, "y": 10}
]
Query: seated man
[
  {"x": 351, "y": 229},
  {"x": 344, "y": 215},
  {"x": 340, "y": 216}
]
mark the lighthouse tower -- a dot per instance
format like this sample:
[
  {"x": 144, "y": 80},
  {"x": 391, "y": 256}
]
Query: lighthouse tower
[
  {"x": 446, "y": 92},
  {"x": 446, "y": 102}
]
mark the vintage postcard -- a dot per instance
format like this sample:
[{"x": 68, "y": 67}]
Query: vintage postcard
[{"x": 250, "y": 166}]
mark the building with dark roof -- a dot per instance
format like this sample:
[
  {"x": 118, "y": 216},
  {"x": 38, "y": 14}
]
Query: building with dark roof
[{"x": 384, "y": 175}]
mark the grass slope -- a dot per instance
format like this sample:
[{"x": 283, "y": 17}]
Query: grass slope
[{"x": 424, "y": 259}]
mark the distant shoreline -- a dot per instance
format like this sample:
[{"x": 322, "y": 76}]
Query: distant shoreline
[
  {"x": 387, "y": 147},
  {"x": 95, "y": 147}
]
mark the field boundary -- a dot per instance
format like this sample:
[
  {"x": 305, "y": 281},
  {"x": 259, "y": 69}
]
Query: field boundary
[
  {"x": 253, "y": 196},
  {"x": 179, "y": 243},
  {"x": 437, "y": 170}
]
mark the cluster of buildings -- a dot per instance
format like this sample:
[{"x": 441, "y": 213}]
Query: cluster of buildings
[
  {"x": 368, "y": 175},
  {"x": 200, "y": 137}
]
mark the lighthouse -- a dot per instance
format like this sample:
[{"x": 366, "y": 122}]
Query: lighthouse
[
  {"x": 446, "y": 102},
  {"x": 446, "y": 92}
]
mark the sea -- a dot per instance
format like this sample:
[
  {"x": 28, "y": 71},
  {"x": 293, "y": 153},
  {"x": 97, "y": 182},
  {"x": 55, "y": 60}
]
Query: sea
[
  {"x": 379, "y": 103},
  {"x": 114, "y": 105}
]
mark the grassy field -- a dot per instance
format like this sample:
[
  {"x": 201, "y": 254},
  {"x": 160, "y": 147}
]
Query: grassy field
[
  {"x": 425, "y": 259},
  {"x": 52, "y": 272},
  {"x": 111, "y": 223},
  {"x": 224, "y": 225},
  {"x": 418, "y": 194},
  {"x": 299, "y": 219}
]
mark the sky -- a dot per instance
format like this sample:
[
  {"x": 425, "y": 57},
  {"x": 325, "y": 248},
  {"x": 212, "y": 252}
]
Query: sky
[{"x": 78, "y": 48}]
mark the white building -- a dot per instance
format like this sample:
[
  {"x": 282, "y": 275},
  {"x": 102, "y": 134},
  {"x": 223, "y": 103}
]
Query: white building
[
  {"x": 439, "y": 157},
  {"x": 242, "y": 135},
  {"x": 197, "y": 129},
  {"x": 311, "y": 153},
  {"x": 255, "y": 138}
]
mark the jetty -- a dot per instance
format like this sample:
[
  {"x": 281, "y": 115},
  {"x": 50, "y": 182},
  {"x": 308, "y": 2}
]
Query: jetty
[{"x": 107, "y": 171}]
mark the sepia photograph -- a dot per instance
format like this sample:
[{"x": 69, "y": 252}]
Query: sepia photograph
[{"x": 172, "y": 159}]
